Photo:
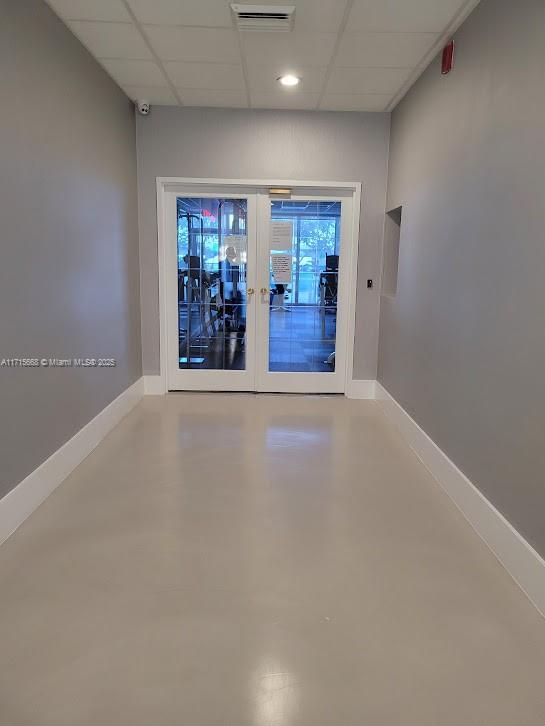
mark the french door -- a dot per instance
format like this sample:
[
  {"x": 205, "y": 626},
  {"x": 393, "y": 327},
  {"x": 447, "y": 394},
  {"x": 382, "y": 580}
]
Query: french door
[{"x": 257, "y": 288}]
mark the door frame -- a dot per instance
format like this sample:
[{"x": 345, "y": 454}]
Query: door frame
[{"x": 189, "y": 185}]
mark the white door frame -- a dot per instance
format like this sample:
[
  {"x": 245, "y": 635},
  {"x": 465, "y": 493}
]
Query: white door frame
[{"x": 185, "y": 185}]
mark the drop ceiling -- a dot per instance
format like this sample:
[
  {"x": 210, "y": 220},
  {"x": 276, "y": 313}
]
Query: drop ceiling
[{"x": 351, "y": 55}]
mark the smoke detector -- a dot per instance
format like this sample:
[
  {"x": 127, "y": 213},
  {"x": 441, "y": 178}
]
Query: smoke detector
[{"x": 265, "y": 18}]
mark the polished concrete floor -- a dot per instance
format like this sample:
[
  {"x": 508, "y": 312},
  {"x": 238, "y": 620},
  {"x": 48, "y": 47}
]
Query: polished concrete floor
[{"x": 240, "y": 560}]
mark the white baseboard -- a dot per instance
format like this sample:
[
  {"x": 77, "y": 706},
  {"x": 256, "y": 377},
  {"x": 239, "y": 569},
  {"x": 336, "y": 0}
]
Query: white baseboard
[
  {"x": 360, "y": 389},
  {"x": 20, "y": 502},
  {"x": 154, "y": 385},
  {"x": 522, "y": 562}
]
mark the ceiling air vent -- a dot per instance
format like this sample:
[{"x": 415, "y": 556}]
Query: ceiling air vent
[{"x": 264, "y": 17}]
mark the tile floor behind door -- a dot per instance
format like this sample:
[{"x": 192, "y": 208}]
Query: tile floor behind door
[{"x": 241, "y": 560}]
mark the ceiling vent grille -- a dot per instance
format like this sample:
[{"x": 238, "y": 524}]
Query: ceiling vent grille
[{"x": 264, "y": 18}]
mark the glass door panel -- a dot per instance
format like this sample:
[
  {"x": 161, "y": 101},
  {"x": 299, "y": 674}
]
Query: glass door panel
[
  {"x": 303, "y": 307},
  {"x": 303, "y": 259},
  {"x": 212, "y": 283},
  {"x": 210, "y": 345}
]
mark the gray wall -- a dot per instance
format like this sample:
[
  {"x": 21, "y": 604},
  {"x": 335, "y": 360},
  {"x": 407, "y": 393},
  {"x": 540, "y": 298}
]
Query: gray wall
[
  {"x": 69, "y": 272},
  {"x": 462, "y": 345},
  {"x": 265, "y": 144}
]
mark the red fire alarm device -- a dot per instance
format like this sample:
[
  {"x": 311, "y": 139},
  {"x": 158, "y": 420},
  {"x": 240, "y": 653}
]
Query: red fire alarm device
[{"x": 448, "y": 55}]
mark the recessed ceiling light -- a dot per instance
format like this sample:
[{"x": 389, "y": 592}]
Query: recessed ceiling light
[{"x": 288, "y": 80}]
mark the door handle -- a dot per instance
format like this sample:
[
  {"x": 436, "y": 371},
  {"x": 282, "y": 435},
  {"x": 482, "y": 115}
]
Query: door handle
[
  {"x": 264, "y": 291},
  {"x": 250, "y": 291}
]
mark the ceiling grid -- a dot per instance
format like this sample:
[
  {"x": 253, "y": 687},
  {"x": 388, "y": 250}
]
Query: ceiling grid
[{"x": 351, "y": 55}]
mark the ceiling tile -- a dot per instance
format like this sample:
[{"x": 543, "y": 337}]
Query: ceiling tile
[
  {"x": 111, "y": 10},
  {"x": 262, "y": 79},
  {"x": 402, "y": 16},
  {"x": 323, "y": 15},
  {"x": 288, "y": 49},
  {"x": 134, "y": 72},
  {"x": 367, "y": 80},
  {"x": 111, "y": 40},
  {"x": 210, "y": 13},
  {"x": 355, "y": 102},
  {"x": 212, "y": 45},
  {"x": 384, "y": 49},
  {"x": 205, "y": 75},
  {"x": 293, "y": 100},
  {"x": 155, "y": 96},
  {"x": 226, "y": 99}
]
